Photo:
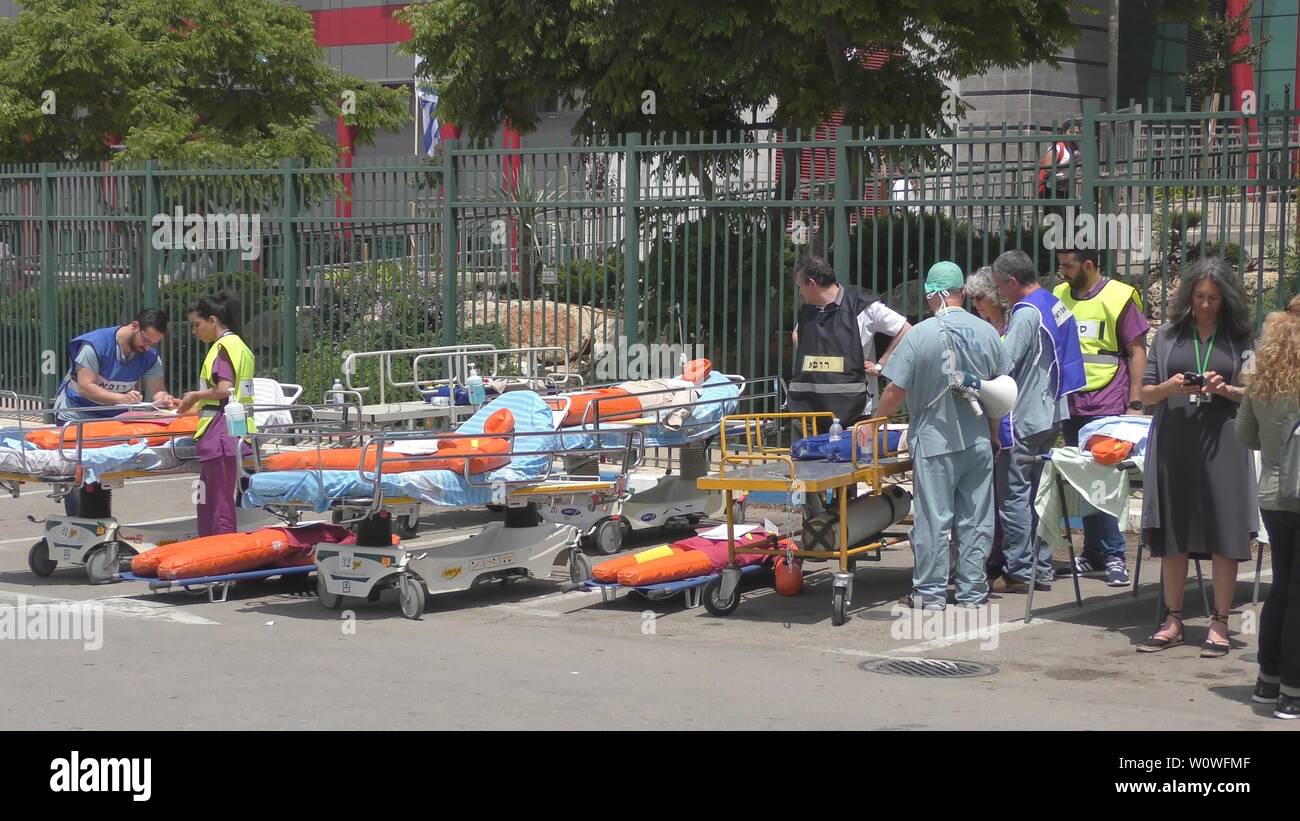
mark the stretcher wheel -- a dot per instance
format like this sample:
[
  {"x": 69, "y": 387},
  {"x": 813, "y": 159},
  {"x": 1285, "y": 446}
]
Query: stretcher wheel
[
  {"x": 580, "y": 567},
  {"x": 839, "y": 606},
  {"x": 125, "y": 552},
  {"x": 329, "y": 600},
  {"x": 38, "y": 559},
  {"x": 607, "y": 538},
  {"x": 713, "y": 601},
  {"x": 410, "y": 593},
  {"x": 101, "y": 569},
  {"x": 408, "y": 526}
]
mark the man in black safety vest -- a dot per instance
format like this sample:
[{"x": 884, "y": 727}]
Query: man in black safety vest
[{"x": 835, "y": 350}]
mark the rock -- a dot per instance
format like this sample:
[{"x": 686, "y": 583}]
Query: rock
[
  {"x": 541, "y": 322},
  {"x": 263, "y": 332}
]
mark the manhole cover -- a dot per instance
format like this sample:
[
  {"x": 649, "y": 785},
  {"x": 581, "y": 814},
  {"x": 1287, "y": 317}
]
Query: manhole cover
[{"x": 929, "y": 668}]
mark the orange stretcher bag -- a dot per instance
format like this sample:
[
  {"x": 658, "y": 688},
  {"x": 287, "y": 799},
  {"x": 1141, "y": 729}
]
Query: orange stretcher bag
[
  {"x": 664, "y": 563},
  {"x": 607, "y": 572},
  {"x": 1106, "y": 450},
  {"x": 451, "y": 454},
  {"x": 105, "y": 433},
  {"x": 683, "y": 564},
  {"x": 615, "y": 404},
  {"x": 213, "y": 555}
]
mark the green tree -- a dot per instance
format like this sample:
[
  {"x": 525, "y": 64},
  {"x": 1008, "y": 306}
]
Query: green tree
[
  {"x": 693, "y": 69},
  {"x": 707, "y": 64},
  {"x": 1218, "y": 34},
  {"x": 185, "y": 81}
]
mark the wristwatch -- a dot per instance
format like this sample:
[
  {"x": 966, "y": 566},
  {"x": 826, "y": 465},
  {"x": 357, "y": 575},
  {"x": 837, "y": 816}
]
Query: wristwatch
[{"x": 1136, "y": 404}]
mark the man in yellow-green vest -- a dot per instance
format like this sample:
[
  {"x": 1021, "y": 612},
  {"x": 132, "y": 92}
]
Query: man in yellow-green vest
[
  {"x": 228, "y": 364},
  {"x": 1112, "y": 335}
]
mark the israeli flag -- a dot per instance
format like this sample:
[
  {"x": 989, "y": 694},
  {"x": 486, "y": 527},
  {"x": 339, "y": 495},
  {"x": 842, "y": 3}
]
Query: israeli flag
[{"x": 426, "y": 97}]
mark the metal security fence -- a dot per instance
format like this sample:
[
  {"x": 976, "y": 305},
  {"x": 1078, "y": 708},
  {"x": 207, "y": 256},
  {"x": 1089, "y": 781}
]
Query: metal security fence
[{"x": 670, "y": 238}]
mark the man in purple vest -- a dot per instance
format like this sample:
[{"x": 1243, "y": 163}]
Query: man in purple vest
[{"x": 108, "y": 367}]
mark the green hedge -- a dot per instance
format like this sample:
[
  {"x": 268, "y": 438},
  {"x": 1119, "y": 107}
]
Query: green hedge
[
  {"x": 318, "y": 369},
  {"x": 86, "y": 306},
  {"x": 595, "y": 282},
  {"x": 699, "y": 267},
  {"x": 182, "y": 352}
]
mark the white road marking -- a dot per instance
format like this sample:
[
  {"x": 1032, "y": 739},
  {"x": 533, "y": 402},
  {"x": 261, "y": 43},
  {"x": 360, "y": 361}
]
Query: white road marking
[{"x": 123, "y": 606}]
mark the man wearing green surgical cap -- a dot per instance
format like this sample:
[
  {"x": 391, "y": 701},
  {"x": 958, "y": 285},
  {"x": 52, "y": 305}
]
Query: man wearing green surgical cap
[{"x": 952, "y": 446}]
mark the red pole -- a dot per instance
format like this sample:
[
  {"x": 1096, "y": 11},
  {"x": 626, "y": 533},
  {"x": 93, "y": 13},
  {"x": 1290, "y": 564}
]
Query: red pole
[
  {"x": 510, "y": 139},
  {"x": 343, "y": 206},
  {"x": 1243, "y": 80}
]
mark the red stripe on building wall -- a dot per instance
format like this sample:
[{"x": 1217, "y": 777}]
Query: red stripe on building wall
[{"x": 360, "y": 26}]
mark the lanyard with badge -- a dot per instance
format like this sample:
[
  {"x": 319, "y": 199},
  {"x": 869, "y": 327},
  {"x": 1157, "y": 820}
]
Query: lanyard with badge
[{"x": 1202, "y": 365}]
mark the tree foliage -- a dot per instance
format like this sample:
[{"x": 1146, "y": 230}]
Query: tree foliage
[
  {"x": 185, "y": 81},
  {"x": 708, "y": 64},
  {"x": 1218, "y": 34}
]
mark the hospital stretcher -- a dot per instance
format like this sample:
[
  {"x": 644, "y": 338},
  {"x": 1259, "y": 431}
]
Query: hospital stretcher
[
  {"x": 217, "y": 587},
  {"x": 756, "y": 466},
  {"x": 521, "y": 546},
  {"x": 83, "y": 456},
  {"x": 671, "y": 498},
  {"x": 372, "y": 396},
  {"x": 694, "y": 588}
]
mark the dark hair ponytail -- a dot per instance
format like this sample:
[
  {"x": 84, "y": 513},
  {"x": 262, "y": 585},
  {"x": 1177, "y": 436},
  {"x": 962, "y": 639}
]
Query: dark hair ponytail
[{"x": 224, "y": 306}]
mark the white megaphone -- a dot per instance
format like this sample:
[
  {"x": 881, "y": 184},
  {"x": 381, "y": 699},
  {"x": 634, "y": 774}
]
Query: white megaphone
[
  {"x": 998, "y": 395},
  {"x": 994, "y": 396}
]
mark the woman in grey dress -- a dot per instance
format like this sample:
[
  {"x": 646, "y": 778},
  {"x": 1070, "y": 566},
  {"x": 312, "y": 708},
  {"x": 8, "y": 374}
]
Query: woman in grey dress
[{"x": 1199, "y": 497}]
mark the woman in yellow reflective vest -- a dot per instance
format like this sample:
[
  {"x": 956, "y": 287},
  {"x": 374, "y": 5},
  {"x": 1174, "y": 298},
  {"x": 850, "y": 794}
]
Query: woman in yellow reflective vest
[{"x": 228, "y": 364}]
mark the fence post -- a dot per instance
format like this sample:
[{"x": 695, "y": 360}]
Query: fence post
[
  {"x": 840, "y": 250},
  {"x": 50, "y": 326},
  {"x": 631, "y": 241},
  {"x": 449, "y": 320},
  {"x": 1090, "y": 143},
  {"x": 151, "y": 207},
  {"x": 289, "y": 269}
]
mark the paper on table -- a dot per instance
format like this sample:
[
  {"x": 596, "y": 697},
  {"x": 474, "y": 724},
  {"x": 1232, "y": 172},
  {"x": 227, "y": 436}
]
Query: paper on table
[
  {"x": 144, "y": 416},
  {"x": 719, "y": 533},
  {"x": 413, "y": 447}
]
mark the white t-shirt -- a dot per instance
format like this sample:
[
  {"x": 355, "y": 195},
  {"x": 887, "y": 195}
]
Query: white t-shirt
[{"x": 878, "y": 318}]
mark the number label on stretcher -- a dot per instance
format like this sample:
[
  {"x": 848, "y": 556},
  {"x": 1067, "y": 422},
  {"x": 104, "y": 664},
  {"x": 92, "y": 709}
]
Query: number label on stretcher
[{"x": 345, "y": 561}]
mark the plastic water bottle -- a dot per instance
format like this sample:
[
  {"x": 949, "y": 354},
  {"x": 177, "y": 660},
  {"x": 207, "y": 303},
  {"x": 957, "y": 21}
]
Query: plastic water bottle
[
  {"x": 335, "y": 397},
  {"x": 236, "y": 417},
  {"x": 833, "y": 441},
  {"x": 477, "y": 395}
]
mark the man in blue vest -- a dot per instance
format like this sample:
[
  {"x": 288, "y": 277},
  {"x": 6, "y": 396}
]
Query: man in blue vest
[
  {"x": 107, "y": 367},
  {"x": 1045, "y": 359}
]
